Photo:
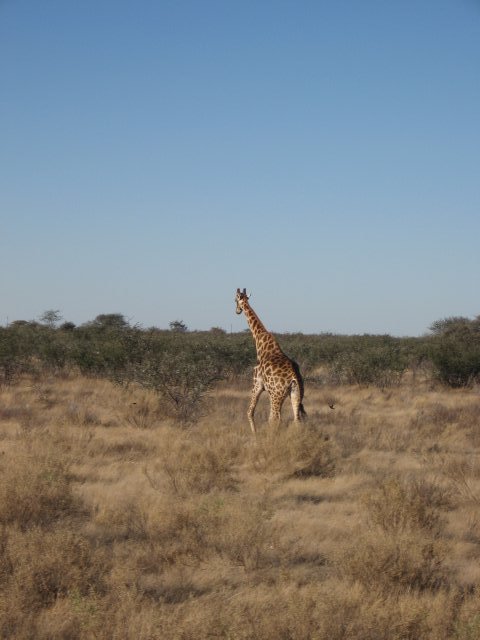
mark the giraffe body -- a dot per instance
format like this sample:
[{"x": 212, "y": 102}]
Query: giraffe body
[{"x": 275, "y": 372}]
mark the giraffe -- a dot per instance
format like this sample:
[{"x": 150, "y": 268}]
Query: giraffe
[{"x": 275, "y": 372}]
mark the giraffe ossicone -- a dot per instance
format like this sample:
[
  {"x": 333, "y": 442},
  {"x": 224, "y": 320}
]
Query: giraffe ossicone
[{"x": 274, "y": 373}]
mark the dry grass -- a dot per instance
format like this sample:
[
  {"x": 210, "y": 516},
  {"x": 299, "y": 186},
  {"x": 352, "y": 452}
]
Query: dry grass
[{"x": 362, "y": 523}]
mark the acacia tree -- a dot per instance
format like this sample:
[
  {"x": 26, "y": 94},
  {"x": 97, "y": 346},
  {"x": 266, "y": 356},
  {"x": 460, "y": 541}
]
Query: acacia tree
[
  {"x": 51, "y": 317},
  {"x": 447, "y": 325},
  {"x": 178, "y": 326},
  {"x": 111, "y": 321}
]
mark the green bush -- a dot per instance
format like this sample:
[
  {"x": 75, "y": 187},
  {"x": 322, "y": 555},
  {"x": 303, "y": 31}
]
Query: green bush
[
  {"x": 455, "y": 351},
  {"x": 181, "y": 374},
  {"x": 107, "y": 347},
  {"x": 20, "y": 346},
  {"x": 371, "y": 363}
]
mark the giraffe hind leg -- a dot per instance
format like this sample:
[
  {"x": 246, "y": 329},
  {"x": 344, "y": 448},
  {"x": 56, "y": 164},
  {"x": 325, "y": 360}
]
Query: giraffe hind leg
[
  {"x": 297, "y": 406},
  {"x": 276, "y": 403}
]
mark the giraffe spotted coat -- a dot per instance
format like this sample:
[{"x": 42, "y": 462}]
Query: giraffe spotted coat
[{"x": 275, "y": 372}]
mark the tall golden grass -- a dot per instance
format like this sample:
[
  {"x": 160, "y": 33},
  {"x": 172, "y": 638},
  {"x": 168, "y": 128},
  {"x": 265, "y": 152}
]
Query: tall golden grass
[{"x": 362, "y": 523}]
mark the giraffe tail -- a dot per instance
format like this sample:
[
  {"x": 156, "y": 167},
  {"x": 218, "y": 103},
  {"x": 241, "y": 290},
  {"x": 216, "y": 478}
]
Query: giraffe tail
[{"x": 301, "y": 410}]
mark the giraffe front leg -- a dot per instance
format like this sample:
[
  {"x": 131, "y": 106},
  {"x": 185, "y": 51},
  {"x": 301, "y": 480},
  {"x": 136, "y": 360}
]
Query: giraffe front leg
[{"x": 257, "y": 390}]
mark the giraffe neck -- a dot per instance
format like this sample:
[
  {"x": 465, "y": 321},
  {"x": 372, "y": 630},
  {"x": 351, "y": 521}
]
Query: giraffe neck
[{"x": 265, "y": 343}]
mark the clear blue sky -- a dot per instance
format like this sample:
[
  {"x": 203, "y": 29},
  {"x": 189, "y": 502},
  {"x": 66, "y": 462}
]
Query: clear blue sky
[{"x": 156, "y": 155}]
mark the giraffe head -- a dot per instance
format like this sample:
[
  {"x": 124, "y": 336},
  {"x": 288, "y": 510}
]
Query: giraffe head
[{"x": 241, "y": 298}]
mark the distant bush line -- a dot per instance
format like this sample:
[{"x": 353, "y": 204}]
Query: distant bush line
[{"x": 181, "y": 365}]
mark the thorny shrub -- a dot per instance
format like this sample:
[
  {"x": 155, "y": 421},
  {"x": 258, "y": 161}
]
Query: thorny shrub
[{"x": 299, "y": 450}]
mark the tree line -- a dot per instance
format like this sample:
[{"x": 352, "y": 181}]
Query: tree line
[{"x": 182, "y": 365}]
